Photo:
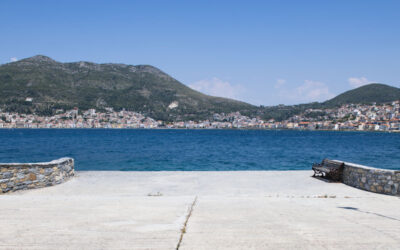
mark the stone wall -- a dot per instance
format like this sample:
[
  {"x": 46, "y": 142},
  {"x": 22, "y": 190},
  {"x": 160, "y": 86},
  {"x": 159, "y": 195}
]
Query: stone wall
[
  {"x": 18, "y": 176},
  {"x": 372, "y": 179}
]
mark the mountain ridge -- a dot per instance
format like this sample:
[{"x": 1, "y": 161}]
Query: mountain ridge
[
  {"x": 142, "y": 88},
  {"x": 146, "y": 89}
]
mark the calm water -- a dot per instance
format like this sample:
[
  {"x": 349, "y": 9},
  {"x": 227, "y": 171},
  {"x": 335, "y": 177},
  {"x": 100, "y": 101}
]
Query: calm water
[{"x": 144, "y": 150}]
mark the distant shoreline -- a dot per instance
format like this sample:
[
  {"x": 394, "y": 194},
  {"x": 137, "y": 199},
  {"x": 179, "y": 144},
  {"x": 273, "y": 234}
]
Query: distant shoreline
[{"x": 256, "y": 129}]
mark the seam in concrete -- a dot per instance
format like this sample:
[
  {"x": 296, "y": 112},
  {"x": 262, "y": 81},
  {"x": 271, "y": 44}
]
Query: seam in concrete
[{"x": 183, "y": 230}]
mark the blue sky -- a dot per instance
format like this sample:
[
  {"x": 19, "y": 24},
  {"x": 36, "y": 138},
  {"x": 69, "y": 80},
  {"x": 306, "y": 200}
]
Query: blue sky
[{"x": 262, "y": 52}]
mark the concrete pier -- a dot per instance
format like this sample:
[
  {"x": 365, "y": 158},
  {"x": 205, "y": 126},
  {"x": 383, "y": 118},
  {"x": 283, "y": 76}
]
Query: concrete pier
[{"x": 198, "y": 210}]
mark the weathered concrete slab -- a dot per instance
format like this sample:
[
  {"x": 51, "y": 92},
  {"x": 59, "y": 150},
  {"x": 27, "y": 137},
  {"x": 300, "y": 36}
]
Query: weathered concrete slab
[
  {"x": 234, "y": 210},
  {"x": 293, "y": 223},
  {"x": 48, "y": 222}
]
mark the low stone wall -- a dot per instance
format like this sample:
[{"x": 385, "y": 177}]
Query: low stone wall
[
  {"x": 18, "y": 176},
  {"x": 372, "y": 179}
]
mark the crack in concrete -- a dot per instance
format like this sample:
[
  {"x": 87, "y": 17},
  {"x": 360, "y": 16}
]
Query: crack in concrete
[{"x": 183, "y": 230}]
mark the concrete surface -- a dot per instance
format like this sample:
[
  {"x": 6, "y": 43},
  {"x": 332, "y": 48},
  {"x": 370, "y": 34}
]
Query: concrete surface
[{"x": 233, "y": 210}]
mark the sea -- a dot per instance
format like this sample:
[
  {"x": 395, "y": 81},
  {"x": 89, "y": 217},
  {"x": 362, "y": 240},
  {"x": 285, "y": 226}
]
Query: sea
[{"x": 198, "y": 150}]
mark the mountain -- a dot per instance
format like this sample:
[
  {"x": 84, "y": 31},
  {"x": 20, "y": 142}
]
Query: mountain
[
  {"x": 375, "y": 92},
  {"x": 42, "y": 85}
]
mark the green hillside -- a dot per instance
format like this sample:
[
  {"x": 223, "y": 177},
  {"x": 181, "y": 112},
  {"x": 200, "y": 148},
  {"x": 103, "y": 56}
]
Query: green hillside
[
  {"x": 375, "y": 92},
  {"x": 143, "y": 88},
  {"x": 51, "y": 85}
]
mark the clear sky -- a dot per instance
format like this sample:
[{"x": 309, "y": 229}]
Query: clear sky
[{"x": 262, "y": 52}]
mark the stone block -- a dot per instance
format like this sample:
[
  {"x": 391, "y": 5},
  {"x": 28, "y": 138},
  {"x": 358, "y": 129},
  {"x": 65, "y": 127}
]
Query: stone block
[
  {"x": 381, "y": 177},
  {"x": 8, "y": 175},
  {"x": 387, "y": 188},
  {"x": 20, "y": 175},
  {"x": 396, "y": 188},
  {"x": 48, "y": 171},
  {"x": 66, "y": 168},
  {"x": 28, "y": 182},
  {"x": 32, "y": 177}
]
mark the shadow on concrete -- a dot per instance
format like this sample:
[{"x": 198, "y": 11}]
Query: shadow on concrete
[
  {"x": 324, "y": 179},
  {"x": 366, "y": 212}
]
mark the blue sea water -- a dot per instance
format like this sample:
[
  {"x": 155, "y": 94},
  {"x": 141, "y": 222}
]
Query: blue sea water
[{"x": 205, "y": 150}]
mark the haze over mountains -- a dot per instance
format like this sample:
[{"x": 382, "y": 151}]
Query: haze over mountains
[{"x": 41, "y": 85}]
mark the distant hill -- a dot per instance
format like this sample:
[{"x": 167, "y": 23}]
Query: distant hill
[
  {"x": 143, "y": 88},
  {"x": 375, "y": 92},
  {"x": 379, "y": 93}
]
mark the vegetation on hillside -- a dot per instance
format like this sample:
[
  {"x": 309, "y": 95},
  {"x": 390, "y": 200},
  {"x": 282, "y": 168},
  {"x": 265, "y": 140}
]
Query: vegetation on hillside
[
  {"x": 146, "y": 89},
  {"x": 41, "y": 85},
  {"x": 375, "y": 92}
]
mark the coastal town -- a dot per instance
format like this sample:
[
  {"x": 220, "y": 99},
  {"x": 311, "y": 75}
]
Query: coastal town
[{"x": 361, "y": 117}]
